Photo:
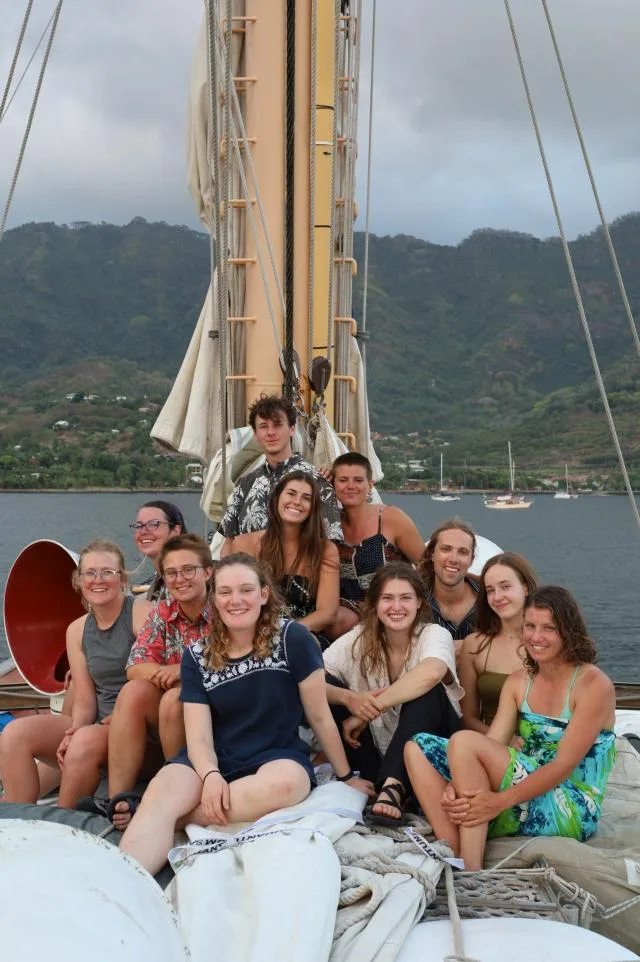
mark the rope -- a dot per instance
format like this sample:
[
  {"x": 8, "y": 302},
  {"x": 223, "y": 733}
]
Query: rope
[
  {"x": 312, "y": 181},
  {"x": 226, "y": 224},
  {"x": 596, "y": 196},
  {"x": 289, "y": 178},
  {"x": 365, "y": 280},
  {"x": 3, "y": 113},
  {"x": 331, "y": 332},
  {"x": 456, "y": 923},
  {"x": 16, "y": 54},
  {"x": 34, "y": 104},
  {"x": 572, "y": 274}
]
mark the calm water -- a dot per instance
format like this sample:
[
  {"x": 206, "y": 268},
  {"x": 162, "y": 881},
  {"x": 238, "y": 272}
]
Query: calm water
[{"x": 591, "y": 545}]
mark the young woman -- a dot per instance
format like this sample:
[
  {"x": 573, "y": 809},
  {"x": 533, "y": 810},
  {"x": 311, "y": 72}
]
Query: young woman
[
  {"x": 303, "y": 562},
  {"x": 156, "y": 522},
  {"x": 244, "y": 691},
  {"x": 98, "y": 647},
  {"x": 492, "y": 652},
  {"x": 148, "y": 708},
  {"x": 563, "y": 708},
  {"x": 374, "y": 535},
  {"x": 389, "y": 678}
]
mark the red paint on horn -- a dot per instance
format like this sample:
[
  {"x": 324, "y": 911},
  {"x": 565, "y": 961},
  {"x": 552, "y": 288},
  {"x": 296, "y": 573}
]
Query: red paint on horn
[{"x": 39, "y": 605}]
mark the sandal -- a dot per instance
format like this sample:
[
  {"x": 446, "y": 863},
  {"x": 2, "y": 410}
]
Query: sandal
[
  {"x": 132, "y": 799},
  {"x": 96, "y": 806},
  {"x": 393, "y": 795}
]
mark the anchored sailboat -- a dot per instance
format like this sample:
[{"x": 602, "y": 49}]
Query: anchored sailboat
[
  {"x": 567, "y": 494},
  {"x": 443, "y": 494},
  {"x": 511, "y": 501}
]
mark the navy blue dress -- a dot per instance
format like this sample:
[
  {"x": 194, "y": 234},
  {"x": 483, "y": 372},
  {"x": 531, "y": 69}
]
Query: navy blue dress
[{"x": 255, "y": 703}]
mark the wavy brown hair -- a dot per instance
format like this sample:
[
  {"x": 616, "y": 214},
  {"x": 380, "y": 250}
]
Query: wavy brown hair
[
  {"x": 488, "y": 623},
  {"x": 371, "y": 641},
  {"x": 273, "y": 407},
  {"x": 425, "y": 565},
  {"x": 312, "y": 540},
  {"x": 107, "y": 547},
  {"x": 216, "y": 650},
  {"x": 577, "y": 646}
]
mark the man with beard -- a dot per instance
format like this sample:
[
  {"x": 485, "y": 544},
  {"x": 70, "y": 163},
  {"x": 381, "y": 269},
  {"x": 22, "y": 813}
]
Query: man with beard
[{"x": 451, "y": 593}]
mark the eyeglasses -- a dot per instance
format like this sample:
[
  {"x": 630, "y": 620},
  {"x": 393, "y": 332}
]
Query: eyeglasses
[
  {"x": 188, "y": 572},
  {"x": 147, "y": 525},
  {"x": 99, "y": 574}
]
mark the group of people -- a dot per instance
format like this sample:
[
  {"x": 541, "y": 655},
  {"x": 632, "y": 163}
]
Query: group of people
[{"x": 327, "y": 622}]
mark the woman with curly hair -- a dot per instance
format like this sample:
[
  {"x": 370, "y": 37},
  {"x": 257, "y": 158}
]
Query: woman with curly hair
[
  {"x": 392, "y": 676},
  {"x": 563, "y": 707},
  {"x": 244, "y": 692},
  {"x": 494, "y": 650},
  {"x": 303, "y": 562}
]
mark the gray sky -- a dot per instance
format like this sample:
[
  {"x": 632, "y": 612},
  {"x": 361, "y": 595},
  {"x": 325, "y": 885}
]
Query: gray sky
[{"x": 453, "y": 147}]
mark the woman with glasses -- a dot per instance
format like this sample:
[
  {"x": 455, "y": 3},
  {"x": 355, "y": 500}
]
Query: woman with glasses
[
  {"x": 156, "y": 522},
  {"x": 244, "y": 687},
  {"x": 303, "y": 562},
  {"x": 98, "y": 647},
  {"x": 148, "y": 709}
]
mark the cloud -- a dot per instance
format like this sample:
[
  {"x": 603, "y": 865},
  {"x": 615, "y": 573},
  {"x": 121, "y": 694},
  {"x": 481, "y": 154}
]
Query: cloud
[{"x": 453, "y": 147}]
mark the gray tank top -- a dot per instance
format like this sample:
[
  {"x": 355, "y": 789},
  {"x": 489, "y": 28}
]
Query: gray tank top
[{"x": 107, "y": 652}]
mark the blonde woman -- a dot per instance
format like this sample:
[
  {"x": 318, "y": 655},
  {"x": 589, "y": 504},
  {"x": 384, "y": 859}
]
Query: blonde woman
[
  {"x": 244, "y": 691},
  {"x": 98, "y": 647}
]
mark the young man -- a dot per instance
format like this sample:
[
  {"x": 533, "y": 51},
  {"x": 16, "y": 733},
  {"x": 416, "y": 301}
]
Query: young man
[
  {"x": 444, "y": 565},
  {"x": 273, "y": 419},
  {"x": 374, "y": 535}
]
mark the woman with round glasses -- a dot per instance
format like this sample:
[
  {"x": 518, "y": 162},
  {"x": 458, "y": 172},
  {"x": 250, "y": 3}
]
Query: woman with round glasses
[
  {"x": 156, "y": 522},
  {"x": 98, "y": 648},
  {"x": 303, "y": 562},
  {"x": 148, "y": 709}
]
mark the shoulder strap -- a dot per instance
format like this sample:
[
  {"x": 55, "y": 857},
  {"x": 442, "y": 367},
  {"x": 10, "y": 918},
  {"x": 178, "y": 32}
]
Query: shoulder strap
[
  {"x": 525, "y": 700},
  {"x": 382, "y": 507},
  {"x": 569, "y": 689},
  {"x": 488, "y": 651}
]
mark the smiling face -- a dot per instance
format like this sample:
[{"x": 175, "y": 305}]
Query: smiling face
[
  {"x": 151, "y": 539},
  {"x": 274, "y": 436},
  {"x": 352, "y": 485},
  {"x": 186, "y": 578},
  {"x": 398, "y": 605},
  {"x": 541, "y": 637},
  {"x": 295, "y": 501},
  {"x": 506, "y": 593},
  {"x": 452, "y": 556},
  {"x": 239, "y": 597},
  {"x": 100, "y": 578}
]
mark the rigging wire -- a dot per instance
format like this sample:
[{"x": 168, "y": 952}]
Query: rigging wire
[
  {"x": 596, "y": 196},
  {"x": 16, "y": 54},
  {"x": 569, "y": 260},
  {"x": 313, "y": 133},
  {"x": 365, "y": 279},
  {"x": 34, "y": 104},
  {"x": 290, "y": 379}
]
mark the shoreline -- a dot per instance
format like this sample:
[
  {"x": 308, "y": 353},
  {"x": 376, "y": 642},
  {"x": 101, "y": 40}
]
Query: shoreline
[{"x": 412, "y": 491}]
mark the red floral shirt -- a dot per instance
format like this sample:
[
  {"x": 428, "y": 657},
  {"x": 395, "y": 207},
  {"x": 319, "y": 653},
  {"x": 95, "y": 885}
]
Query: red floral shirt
[{"x": 166, "y": 633}]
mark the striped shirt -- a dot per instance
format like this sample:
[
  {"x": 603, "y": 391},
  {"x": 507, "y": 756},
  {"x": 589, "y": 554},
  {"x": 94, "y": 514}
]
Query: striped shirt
[{"x": 468, "y": 623}]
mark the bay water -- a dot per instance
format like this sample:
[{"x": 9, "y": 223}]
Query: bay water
[{"x": 590, "y": 545}]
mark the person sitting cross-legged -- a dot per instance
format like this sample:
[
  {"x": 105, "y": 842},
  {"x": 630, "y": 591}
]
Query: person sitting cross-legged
[{"x": 244, "y": 690}]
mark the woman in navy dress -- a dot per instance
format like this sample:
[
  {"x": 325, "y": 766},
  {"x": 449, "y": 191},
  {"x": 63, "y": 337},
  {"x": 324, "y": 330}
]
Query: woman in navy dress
[{"x": 244, "y": 691}]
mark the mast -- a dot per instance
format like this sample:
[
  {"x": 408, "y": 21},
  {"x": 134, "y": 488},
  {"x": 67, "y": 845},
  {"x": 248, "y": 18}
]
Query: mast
[
  {"x": 511, "y": 470},
  {"x": 441, "y": 470}
]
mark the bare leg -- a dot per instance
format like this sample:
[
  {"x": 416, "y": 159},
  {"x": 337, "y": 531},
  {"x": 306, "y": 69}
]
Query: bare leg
[
  {"x": 345, "y": 620},
  {"x": 428, "y": 786},
  {"x": 49, "y": 778},
  {"x": 21, "y": 743},
  {"x": 476, "y": 762},
  {"x": 174, "y": 796},
  {"x": 135, "y": 713},
  {"x": 171, "y": 723},
  {"x": 87, "y": 751}
]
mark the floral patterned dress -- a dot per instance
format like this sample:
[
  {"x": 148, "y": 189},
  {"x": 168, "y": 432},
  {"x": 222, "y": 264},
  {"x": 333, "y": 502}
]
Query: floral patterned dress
[{"x": 572, "y": 808}]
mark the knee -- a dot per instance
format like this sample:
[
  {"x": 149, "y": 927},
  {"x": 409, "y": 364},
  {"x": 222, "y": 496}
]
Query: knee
[
  {"x": 290, "y": 784},
  {"x": 460, "y": 743},
  {"x": 170, "y": 710},
  {"x": 135, "y": 696},
  {"x": 87, "y": 747}
]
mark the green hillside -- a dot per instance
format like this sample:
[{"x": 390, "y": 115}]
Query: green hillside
[{"x": 469, "y": 345}]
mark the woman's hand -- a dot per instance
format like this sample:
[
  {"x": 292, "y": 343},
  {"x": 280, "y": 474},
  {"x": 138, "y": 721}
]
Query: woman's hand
[
  {"x": 167, "y": 676},
  {"x": 64, "y": 744},
  {"x": 455, "y": 808},
  {"x": 483, "y": 806},
  {"x": 215, "y": 799},
  {"x": 517, "y": 742},
  {"x": 362, "y": 785},
  {"x": 362, "y": 704},
  {"x": 352, "y": 728}
]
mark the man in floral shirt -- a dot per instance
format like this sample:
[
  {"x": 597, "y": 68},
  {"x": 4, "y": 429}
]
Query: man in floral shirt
[
  {"x": 273, "y": 419},
  {"x": 148, "y": 707}
]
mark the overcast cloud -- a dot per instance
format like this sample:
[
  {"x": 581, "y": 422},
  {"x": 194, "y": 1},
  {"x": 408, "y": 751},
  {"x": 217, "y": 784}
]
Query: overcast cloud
[{"x": 453, "y": 147}]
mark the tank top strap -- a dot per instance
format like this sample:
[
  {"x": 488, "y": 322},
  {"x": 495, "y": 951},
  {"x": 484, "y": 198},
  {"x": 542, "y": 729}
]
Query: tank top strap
[
  {"x": 566, "y": 711},
  {"x": 380, "y": 518},
  {"x": 525, "y": 700},
  {"x": 486, "y": 660}
]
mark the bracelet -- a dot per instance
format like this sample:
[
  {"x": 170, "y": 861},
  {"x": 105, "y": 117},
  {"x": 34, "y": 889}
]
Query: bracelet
[
  {"x": 213, "y": 770},
  {"x": 345, "y": 778}
]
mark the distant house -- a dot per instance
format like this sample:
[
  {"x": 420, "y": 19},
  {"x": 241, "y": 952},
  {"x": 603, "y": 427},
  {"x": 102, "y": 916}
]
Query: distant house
[
  {"x": 120, "y": 397},
  {"x": 61, "y": 425}
]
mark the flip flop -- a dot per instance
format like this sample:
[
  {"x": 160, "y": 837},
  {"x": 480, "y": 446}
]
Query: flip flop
[
  {"x": 132, "y": 798},
  {"x": 96, "y": 806},
  {"x": 394, "y": 794}
]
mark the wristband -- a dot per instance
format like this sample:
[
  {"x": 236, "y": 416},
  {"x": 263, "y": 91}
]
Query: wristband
[
  {"x": 213, "y": 771},
  {"x": 345, "y": 778}
]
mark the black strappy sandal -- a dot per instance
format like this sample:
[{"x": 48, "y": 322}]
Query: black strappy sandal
[{"x": 394, "y": 795}]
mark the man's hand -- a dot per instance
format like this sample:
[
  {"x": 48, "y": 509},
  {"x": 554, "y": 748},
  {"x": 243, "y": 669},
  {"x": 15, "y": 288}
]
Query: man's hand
[{"x": 166, "y": 676}]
